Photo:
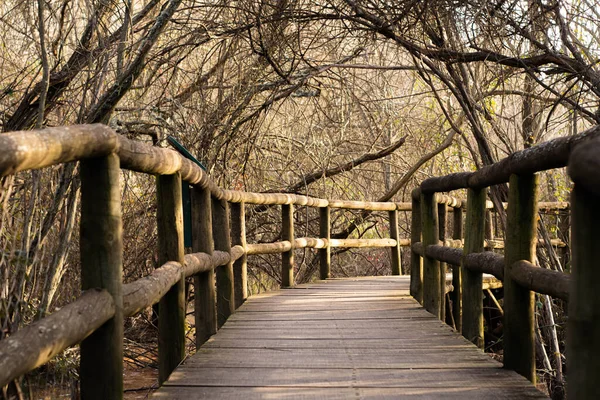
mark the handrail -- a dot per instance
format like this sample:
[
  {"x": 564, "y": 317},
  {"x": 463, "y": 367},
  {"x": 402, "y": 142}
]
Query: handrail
[
  {"x": 521, "y": 277},
  {"x": 100, "y": 148}
]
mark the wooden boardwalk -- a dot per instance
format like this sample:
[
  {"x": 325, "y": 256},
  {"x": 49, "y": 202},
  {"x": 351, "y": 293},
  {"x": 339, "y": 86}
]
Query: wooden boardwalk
[{"x": 359, "y": 338}]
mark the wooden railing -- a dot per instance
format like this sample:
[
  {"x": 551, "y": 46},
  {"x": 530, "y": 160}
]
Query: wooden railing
[
  {"x": 517, "y": 269},
  {"x": 217, "y": 264}
]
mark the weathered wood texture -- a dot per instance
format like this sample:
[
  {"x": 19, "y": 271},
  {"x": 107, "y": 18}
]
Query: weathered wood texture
[
  {"x": 224, "y": 273},
  {"x": 325, "y": 252},
  {"x": 416, "y": 262},
  {"x": 432, "y": 299},
  {"x": 583, "y": 339},
  {"x": 287, "y": 234},
  {"x": 456, "y": 296},
  {"x": 442, "y": 227},
  {"x": 101, "y": 249},
  {"x": 361, "y": 338},
  {"x": 238, "y": 238},
  {"x": 171, "y": 315},
  {"x": 35, "y": 344},
  {"x": 205, "y": 298},
  {"x": 552, "y": 154},
  {"x": 519, "y": 336},
  {"x": 472, "y": 294},
  {"x": 396, "y": 259}
]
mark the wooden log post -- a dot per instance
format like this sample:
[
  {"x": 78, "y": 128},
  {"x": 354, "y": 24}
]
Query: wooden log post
[
  {"x": 519, "y": 323},
  {"x": 583, "y": 338},
  {"x": 205, "y": 297},
  {"x": 101, "y": 248},
  {"x": 224, "y": 273},
  {"x": 171, "y": 315},
  {"x": 416, "y": 262},
  {"x": 396, "y": 250},
  {"x": 432, "y": 299},
  {"x": 457, "y": 234},
  {"x": 240, "y": 266},
  {"x": 287, "y": 233},
  {"x": 442, "y": 224},
  {"x": 325, "y": 253},
  {"x": 472, "y": 285}
]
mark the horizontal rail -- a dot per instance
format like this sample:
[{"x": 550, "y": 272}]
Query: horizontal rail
[
  {"x": 552, "y": 154},
  {"x": 37, "y": 343},
  {"x": 540, "y": 280}
]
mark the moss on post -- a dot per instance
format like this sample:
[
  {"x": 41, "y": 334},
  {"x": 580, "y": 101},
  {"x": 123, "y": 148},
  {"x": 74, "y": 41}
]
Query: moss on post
[
  {"x": 432, "y": 299},
  {"x": 519, "y": 336},
  {"x": 472, "y": 289},
  {"x": 101, "y": 247},
  {"x": 171, "y": 316}
]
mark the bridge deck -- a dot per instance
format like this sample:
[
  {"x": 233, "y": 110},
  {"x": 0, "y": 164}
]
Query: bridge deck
[{"x": 357, "y": 338}]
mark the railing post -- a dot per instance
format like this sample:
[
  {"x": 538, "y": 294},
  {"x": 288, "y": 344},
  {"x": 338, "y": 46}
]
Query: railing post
[
  {"x": 457, "y": 234},
  {"x": 325, "y": 233},
  {"x": 101, "y": 248},
  {"x": 224, "y": 273},
  {"x": 442, "y": 223},
  {"x": 396, "y": 254},
  {"x": 287, "y": 233},
  {"x": 472, "y": 288},
  {"x": 583, "y": 337},
  {"x": 416, "y": 262},
  {"x": 432, "y": 301},
  {"x": 519, "y": 336},
  {"x": 171, "y": 315},
  {"x": 205, "y": 298},
  {"x": 238, "y": 237}
]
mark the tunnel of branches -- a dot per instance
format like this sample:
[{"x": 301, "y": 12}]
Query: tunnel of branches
[{"x": 333, "y": 99}]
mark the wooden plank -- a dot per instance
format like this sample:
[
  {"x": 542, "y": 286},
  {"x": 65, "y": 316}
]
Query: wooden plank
[
  {"x": 344, "y": 377},
  {"x": 252, "y": 393},
  {"x": 341, "y": 339}
]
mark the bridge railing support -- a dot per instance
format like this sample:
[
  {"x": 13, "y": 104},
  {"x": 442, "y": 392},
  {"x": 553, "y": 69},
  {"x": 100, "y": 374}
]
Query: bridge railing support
[
  {"x": 240, "y": 266},
  {"x": 205, "y": 296},
  {"x": 101, "y": 251},
  {"x": 583, "y": 335},
  {"x": 472, "y": 289},
  {"x": 287, "y": 234},
  {"x": 416, "y": 261},
  {"x": 224, "y": 273},
  {"x": 432, "y": 299},
  {"x": 171, "y": 315},
  {"x": 325, "y": 252}
]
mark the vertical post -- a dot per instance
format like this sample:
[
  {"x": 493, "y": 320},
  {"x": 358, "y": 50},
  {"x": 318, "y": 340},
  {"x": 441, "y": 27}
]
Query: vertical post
[
  {"x": 457, "y": 233},
  {"x": 205, "y": 298},
  {"x": 325, "y": 233},
  {"x": 224, "y": 273},
  {"x": 432, "y": 301},
  {"x": 472, "y": 288},
  {"x": 396, "y": 255},
  {"x": 489, "y": 225},
  {"x": 519, "y": 334},
  {"x": 287, "y": 233},
  {"x": 238, "y": 237},
  {"x": 416, "y": 262},
  {"x": 101, "y": 247},
  {"x": 171, "y": 315},
  {"x": 442, "y": 223},
  {"x": 583, "y": 339}
]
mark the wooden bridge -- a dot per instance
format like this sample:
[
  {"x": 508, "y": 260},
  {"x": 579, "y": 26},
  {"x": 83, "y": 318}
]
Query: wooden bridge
[{"x": 363, "y": 337}]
